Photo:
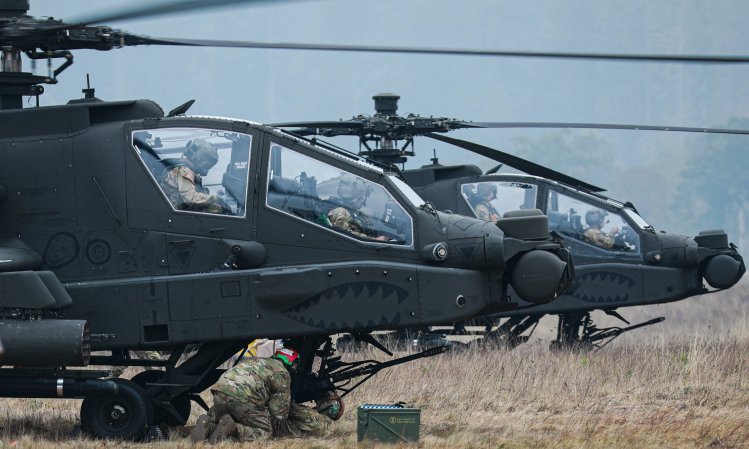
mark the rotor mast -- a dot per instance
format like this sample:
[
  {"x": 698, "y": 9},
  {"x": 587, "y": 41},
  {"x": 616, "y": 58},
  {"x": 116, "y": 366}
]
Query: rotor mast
[
  {"x": 14, "y": 83},
  {"x": 382, "y": 124}
]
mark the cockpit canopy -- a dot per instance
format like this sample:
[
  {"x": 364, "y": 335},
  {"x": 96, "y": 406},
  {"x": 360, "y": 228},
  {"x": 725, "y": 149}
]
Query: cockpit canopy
[
  {"x": 198, "y": 170},
  {"x": 336, "y": 199},
  {"x": 600, "y": 224},
  {"x": 206, "y": 171}
]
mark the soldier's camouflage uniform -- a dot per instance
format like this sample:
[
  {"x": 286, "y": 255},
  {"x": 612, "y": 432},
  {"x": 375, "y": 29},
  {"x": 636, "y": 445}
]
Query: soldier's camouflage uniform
[
  {"x": 257, "y": 395},
  {"x": 485, "y": 211},
  {"x": 303, "y": 421},
  {"x": 355, "y": 223},
  {"x": 599, "y": 238},
  {"x": 184, "y": 188}
]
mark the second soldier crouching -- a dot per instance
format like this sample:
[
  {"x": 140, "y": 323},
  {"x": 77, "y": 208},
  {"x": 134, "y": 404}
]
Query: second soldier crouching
[{"x": 252, "y": 401}]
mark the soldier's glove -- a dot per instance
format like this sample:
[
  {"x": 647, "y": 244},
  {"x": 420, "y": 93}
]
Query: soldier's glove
[
  {"x": 331, "y": 407},
  {"x": 225, "y": 208}
]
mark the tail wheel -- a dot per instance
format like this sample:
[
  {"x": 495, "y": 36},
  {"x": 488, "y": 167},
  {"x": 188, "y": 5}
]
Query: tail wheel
[{"x": 124, "y": 415}]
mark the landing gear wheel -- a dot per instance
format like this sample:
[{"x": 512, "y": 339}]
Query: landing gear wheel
[
  {"x": 181, "y": 403},
  {"x": 124, "y": 415}
]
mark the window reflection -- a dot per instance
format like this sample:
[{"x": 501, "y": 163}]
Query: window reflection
[{"x": 336, "y": 199}]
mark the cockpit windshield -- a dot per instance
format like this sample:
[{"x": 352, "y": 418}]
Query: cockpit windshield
[
  {"x": 336, "y": 199},
  {"x": 591, "y": 223},
  {"x": 489, "y": 200},
  {"x": 639, "y": 221},
  {"x": 198, "y": 170},
  {"x": 407, "y": 191}
]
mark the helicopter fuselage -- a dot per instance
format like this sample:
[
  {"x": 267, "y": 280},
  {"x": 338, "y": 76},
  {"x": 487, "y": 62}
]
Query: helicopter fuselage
[
  {"x": 630, "y": 265},
  {"x": 85, "y": 193}
]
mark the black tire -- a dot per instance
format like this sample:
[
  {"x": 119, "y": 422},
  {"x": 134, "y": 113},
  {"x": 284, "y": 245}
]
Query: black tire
[
  {"x": 181, "y": 403},
  {"x": 124, "y": 415}
]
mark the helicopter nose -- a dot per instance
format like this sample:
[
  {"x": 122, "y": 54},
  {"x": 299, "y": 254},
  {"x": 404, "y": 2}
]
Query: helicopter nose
[{"x": 725, "y": 268}]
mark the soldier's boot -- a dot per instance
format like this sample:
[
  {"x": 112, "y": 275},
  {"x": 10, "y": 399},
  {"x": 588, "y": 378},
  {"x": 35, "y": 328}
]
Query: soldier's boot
[
  {"x": 226, "y": 428},
  {"x": 203, "y": 428}
]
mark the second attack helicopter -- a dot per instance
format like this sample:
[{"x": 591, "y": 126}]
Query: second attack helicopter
[
  {"x": 620, "y": 259},
  {"x": 100, "y": 253}
]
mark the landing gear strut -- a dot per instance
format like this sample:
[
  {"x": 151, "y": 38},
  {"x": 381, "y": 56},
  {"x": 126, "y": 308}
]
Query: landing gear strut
[
  {"x": 178, "y": 413},
  {"x": 577, "y": 331},
  {"x": 508, "y": 334}
]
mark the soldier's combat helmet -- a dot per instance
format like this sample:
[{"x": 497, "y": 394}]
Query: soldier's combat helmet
[
  {"x": 486, "y": 187},
  {"x": 594, "y": 218},
  {"x": 351, "y": 187},
  {"x": 201, "y": 154},
  {"x": 287, "y": 355}
]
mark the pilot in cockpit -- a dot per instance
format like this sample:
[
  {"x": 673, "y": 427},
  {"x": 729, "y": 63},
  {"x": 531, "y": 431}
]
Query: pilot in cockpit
[
  {"x": 352, "y": 196},
  {"x": 595, "y": 219},
  {"x": 183, "y": 182},
  {"x": 486, "y": 192}
]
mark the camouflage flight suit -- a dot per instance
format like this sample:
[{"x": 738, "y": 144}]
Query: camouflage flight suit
[
  {"x": 599, "y": 238},
  {"x": 355, "y": 223},
  {"x": 485, "y": 211},
  {"x": 257, "y": 395},
  {"x": 253, "y": 393},
  {"x": 184, "y": 188},
  {"x": 303, "y": 421}
]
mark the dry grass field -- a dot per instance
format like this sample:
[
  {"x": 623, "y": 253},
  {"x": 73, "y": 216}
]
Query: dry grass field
[{"x": 683, "y": 383}]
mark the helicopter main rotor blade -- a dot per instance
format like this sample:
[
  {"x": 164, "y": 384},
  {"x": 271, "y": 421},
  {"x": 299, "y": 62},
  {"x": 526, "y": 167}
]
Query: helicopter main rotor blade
[
  {"x": 516, "y": 162},
  {"x": 319, "y": 124},
  {"x": 718, "y": 59},
  {"x": 41, "y": 34},
  {"x": 458, "y": 124},
  {"x": 562, "y": 125},
  {"x": 154, "y": 10}
]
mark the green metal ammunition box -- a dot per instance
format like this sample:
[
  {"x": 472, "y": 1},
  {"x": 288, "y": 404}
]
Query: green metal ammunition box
[{"x": 387, "y": 423}]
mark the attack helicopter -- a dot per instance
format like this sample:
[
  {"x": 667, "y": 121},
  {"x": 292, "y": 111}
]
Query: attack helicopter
[
  {"x": 632, "y": 265},
  {"x": 98, "y": 254},
  {"x": 108, "y": 263}
]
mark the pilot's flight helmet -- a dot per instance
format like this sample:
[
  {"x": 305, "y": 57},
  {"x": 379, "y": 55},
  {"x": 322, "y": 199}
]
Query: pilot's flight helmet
[
  {"x": 287, "y": 355},
  {"x": 351, "y": 187},
  {"x": 202, "y": 154},
  {"x": 594, "y": 218},
  {"x": 485, "y": 188}
]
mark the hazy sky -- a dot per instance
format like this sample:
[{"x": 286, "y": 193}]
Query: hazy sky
[{"x": 272, "y": 86}]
